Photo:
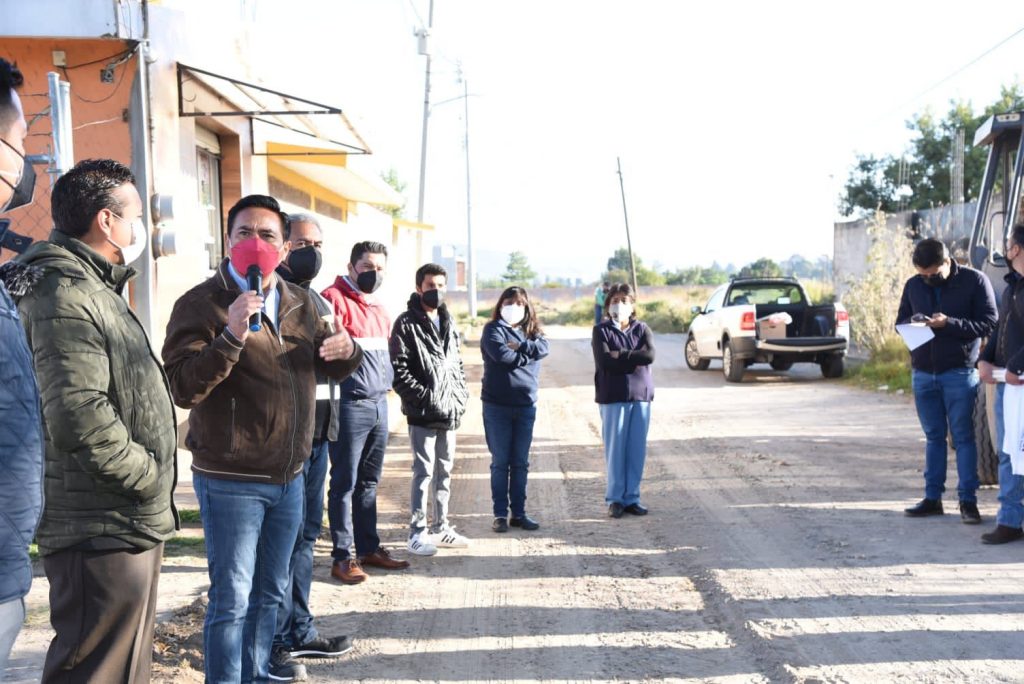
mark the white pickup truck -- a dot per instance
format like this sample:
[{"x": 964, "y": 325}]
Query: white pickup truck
[{"x": 767, "y": 320}]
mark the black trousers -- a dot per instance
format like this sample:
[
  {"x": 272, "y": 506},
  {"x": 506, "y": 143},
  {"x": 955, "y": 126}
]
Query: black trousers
[{"x": 101, "y": 606}]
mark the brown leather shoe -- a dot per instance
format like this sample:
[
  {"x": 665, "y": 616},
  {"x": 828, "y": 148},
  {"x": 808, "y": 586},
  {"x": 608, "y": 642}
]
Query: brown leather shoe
[
  {"x": 348, "y": 572},
  {"x": 382, "y": 559}
]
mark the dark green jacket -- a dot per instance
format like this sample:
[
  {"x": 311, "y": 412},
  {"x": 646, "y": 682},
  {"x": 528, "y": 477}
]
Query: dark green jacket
[{"x": 110, "y": 428}]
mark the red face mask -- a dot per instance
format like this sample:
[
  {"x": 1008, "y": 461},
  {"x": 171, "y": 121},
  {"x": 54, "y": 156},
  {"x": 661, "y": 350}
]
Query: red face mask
[{"x": 255, "y": 251}]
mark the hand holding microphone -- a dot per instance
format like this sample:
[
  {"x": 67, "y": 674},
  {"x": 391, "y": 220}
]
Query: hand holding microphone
[{"x": 242, "y": 310}]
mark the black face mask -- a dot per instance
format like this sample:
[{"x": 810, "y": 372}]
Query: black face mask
[
  {"x": 936, "y": 280},
  {"x": 432, "y": 298},
  {"x": 370, "y": 281},
  {"x": 26, "y": 184},
  {"x": 305, "y": 263}
]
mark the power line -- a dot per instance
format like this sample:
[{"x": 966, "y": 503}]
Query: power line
[
  {"x": 955, "y": 73},
  {"x": 415, "y": 11}
]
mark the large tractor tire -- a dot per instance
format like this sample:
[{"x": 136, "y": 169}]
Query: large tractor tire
[
  {"x": 985, "y": 436},
  {"x": 731, "y": 366}
]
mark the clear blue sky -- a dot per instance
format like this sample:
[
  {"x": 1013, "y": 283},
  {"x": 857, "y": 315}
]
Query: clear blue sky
[{"x": 736, "y": 122}]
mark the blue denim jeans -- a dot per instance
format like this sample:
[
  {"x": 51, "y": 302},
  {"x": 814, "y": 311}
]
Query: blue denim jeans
[
  {"x": 945, "y": 403},
  {"x": 624, "y": 429},
  {"x": 509, "y": 433},
  {"x": 250, "y": 529},
  {"x": 357, "y": 460},
  {"x": 1011, "y": 487},
  {"x": 294, "y": 619}
]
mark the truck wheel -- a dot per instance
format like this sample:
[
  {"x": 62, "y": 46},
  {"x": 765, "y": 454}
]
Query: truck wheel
[
  {"x": 781, "y": 364},
  {"x": 732, "y": 367},
  {"x": 988, "y": 455},
  {"x": 693, "y": 358},
  {"x": 832, "y": 366}
]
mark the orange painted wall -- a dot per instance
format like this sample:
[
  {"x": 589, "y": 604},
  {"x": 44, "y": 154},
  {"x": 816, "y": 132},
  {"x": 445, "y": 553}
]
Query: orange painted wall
[{"x": 99, "y": 110}]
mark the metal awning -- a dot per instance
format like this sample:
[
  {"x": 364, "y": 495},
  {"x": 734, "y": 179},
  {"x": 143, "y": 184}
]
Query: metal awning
[
  {"x": 346, "y": 183},
  {"x": 204, "y": 93}
]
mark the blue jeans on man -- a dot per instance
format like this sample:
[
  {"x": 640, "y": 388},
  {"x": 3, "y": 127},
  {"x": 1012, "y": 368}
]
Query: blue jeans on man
[
  {"x": 509, "y": 434},
  {"x": 357, "y": 460},
  {"x": 1011, "y": 487},
  {"x": 294, "y": 619},
  {"x": 945, "y": 405},
  {"x": 250, "y": 530},
  {"x": 624, "y": 427}
]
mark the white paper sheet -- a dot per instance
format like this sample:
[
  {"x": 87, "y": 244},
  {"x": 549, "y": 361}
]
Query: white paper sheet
[
  {"x": 1013, "y": 426},
  {"x": 914, "y": 336}
]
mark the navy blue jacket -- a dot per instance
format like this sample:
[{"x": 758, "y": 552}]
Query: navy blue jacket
[
  {"x": 21, "y": 439},
  {"x": 511, "y": 375},
  {"x": 969, "y": 303},
  {"x": 1005, "y": 346},
  {"x": 627, "y": 377}
]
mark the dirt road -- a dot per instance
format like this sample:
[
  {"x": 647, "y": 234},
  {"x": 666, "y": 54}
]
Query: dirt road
[{"x": 776, "y": 550}]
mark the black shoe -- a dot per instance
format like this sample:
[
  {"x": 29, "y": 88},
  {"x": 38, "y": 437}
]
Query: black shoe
[
  {"x": 283, "y": 668},
  {"x": 1002, "y": 534},
  {"x": 526, "y": 522},
  {"x": 500, "y": 525},
  {"x": 969, "y": 514},
  {"x": 925, "y": 507},
  {"x": 323, "y": 648},
  {"x": 615, "y": 510},
  {"x": 635, "y": 509}
]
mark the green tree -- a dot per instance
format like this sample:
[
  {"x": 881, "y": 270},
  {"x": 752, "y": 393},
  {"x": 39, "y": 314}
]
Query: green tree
[
  {"x": 391, "y": 178},
  {"x": 762, "y": 268},
  {"x": 518, "y": 271},
  {"x": 874, "y": 182},
  {"x": 697, "y": 275},
  {"x": 618, "y": 270}
]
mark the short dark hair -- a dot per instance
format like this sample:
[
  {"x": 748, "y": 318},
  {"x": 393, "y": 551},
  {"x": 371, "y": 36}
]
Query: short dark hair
[
  {"x": 1016, "y": 236},
  {"x": 620, "y": 289},
  {"x": 429, "y": 269},
  {"x": 930, "y": 252},
  {"x": 10, "y": 80},
  {"x": 260, "y": 202},
  {"x": 366, "y": 247},
  {"x": 84, "y": 191}
]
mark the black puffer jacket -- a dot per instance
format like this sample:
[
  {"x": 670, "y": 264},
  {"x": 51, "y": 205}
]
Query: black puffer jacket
[{"x": 428, "y": 368}]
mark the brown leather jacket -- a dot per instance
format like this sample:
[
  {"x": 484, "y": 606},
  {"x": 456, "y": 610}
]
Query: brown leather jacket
[{"x": 252, "y": 404}]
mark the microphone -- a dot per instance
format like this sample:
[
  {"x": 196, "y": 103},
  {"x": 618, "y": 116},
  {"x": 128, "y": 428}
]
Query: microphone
[{"x": 254, "y": 281}]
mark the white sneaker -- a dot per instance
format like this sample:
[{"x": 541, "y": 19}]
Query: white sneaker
[
  {"x": 419, "y": 545},
  {"x": 450, "y": 539}
]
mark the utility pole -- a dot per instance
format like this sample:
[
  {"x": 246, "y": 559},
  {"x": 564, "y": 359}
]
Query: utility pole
[
  {"x": 470, "y": 273},
  {"x": 629, "y": 242},
  {"x": 424, "y": 48}
]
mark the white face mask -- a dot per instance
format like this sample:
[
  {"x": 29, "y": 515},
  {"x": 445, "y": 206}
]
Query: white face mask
[
  {"x": 620, "y": 311},
  {"x": 133, "y": 251},
  {"x": 513, "y": 314}
]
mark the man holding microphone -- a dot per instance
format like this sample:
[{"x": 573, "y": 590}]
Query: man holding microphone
[{"x": 245, "y": 363}]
